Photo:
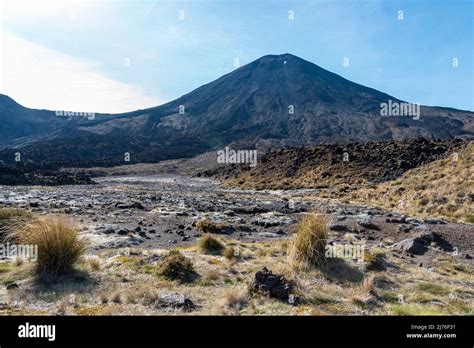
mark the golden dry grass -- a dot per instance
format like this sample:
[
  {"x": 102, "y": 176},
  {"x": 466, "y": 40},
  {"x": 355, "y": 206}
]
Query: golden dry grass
[
  {"x": 175, "y": 266},
  {"x": 210, "y": 245},
  {"x": 307, "y": 249},
  {"x": 59, "y": 245},
  {"x": 439, "y": 189}
]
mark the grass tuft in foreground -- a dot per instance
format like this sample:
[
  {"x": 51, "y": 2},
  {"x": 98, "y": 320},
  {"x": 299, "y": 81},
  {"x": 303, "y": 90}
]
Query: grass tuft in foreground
[
  {"x": 57, "y": 239},
  {"x": 308, "y": 247},
  {"x": 11, "y": 216}
]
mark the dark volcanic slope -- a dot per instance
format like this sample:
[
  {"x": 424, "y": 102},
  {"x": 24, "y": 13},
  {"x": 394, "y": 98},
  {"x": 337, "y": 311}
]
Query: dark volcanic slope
[
  {"x": 323, "y": 165},
  {"x": 247, "y": 107}
]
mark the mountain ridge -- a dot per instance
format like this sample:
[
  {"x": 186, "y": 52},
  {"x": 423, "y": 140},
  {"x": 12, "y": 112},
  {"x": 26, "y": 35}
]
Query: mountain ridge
[{"x": 274, "y": 101}]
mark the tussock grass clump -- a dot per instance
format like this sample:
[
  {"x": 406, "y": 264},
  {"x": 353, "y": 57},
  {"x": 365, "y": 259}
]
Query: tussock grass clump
[
  {"x": 94, "y": 263},
  {"x": 12, "y": 213},
  {"x": 175, "y": 266},
  {"x": 470, "y": 219},
  {"x": 235, "y": 299},
  {"x": 374, "y": 260},
  {"x": 11, "y": 216},
  {"x": 210, "y": 245},
  {"x": 207, "y": 226},
  {"x": 58, "y": 242},
  {"x": 433, "y": 288},
  {"x": 307, "y": 249},
  {"x": 231, "y": 253}
]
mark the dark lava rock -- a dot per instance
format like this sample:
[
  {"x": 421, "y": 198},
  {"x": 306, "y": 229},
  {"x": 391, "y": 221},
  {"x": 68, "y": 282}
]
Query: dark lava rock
[
  {"x": 122, "y": 232},
  {"x": 16, "y": 174},
  {"x": 338, "y": 227},
  {"x": 273, "y": 285},
  {"x": 366, "y": 222},
  {"x": 401, "y": 220},
  {"x": 136, "y": 205},
  {"x": 250, "y": 210},
  {"x": 434, "y": 222},
  {"x": 12, "y": 286},
  {"x": 405, "y": 228}
]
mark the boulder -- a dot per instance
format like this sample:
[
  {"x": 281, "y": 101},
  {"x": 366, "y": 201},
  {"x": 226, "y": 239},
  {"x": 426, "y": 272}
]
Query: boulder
[
  {"x": 338, "y": 227},
  {"x": 417, "y": 245},
  {"x": 175, "y": 300},
  {"x": 272, "y": 285},
  {"x": 365, "y": 221}
]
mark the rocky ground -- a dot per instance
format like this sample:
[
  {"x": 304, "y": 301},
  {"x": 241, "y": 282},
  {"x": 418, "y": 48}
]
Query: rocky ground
[
  {"x": 131, "y": 221},
  {"x": 24, "y": 175},
  {"x": 334, "y": 165},
  {"x": 162, "y": 211}
]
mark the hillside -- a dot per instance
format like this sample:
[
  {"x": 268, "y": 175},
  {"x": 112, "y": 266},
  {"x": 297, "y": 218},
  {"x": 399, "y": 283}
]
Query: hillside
[
  {"x": 323, "y": 166},
  {"x": 443, "y": 188},
  {"x": 416, "y": 177},
  {"x": 273, "y": 102}
]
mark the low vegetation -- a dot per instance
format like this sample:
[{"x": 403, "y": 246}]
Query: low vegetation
[
  {"x": 309, "y": 245},
  {"x": 374, "y": 260},
  {"x": 211, "y": 245},
  {"x": 59, "y": 245},
  {"x": 175, "y": 266},
  {"x": 207, "y": 226},
  {"x": 7, "y": 214},
  {"x": 443, "y": 189},
  {"x": 125, "y": 282},
  {"x": 11, "y": 216}
]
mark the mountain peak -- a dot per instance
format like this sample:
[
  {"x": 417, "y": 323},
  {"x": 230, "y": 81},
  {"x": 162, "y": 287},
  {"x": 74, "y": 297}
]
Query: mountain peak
[
  {"x": 279, "y": 56},
  {"x": 284, "y": 58},
  {"x": 278, "y": 99}
]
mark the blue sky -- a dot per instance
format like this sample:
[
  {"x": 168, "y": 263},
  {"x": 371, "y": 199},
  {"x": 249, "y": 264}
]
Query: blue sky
[{"x": 113, "y": 56}]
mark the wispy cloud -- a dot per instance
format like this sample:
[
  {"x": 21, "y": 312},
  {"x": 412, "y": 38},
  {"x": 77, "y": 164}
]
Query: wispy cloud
[{"x": 39, "y": 77}]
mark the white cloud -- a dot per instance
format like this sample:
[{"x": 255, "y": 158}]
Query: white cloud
[
  {"x": 38, "y": 77},
  {"x": 33, "y": 10}
]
